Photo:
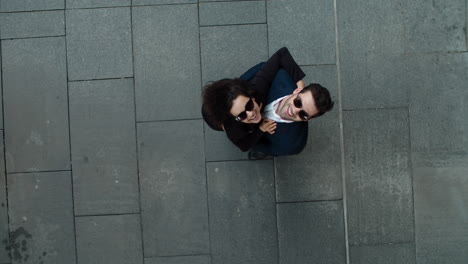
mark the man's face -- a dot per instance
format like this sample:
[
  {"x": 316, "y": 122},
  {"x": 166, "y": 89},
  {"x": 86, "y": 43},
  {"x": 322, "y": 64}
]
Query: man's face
[{"x": 288, "y": 110}]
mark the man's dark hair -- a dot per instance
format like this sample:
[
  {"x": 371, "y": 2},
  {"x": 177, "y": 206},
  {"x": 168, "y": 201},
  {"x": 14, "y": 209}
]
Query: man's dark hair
[
  {"x": 322, "y": 98},
  {"x": 217, "y": 100}
]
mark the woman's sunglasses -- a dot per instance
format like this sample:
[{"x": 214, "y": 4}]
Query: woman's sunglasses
[
  {"x": 249, "y": 106},
  {"x": 298, "y": 104}
]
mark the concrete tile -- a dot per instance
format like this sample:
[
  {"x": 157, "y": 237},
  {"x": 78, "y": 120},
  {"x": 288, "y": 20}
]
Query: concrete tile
[
  {"x": 440, "y": 207},
  {"x": 435, "y": 26},
  {"x": 99, "y": 43},
  {"x": 180, "y": 260},
  {"x": 383, "y": 254},
  {"x": 311, "y": 232},
  {"x": 173, "y": 188},
  {"x": 438, "y": 106},
  {"x": 34, "y": 75},
  {"x": 167, "y": 86},
  {"x": 30, "y": 5},
  {"x": 372, "y": 47},
  {"x": 4, "y": 237},
  {"x": 96, "y": 3},
  {"x": 102, "y": 122},
  {"x": 160, "y": 2},
  {"x": 227, "y": 13},
  {"x": 306, "y": 27},
  {"x": 241, "y": 201},
  {"x": 109, "y": 239},
  {"x": 219, "y": 147},
  {"x": 229, "y": 51},
  {"x": 32, "y": 24},
  {"x": 315, "y": 174},
  {"x": 378, "y": 180},
  {"x": 41, "y": 218}
]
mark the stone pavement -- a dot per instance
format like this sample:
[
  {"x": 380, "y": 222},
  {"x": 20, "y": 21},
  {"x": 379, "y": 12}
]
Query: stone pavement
[{"x": 107, "y": 160}]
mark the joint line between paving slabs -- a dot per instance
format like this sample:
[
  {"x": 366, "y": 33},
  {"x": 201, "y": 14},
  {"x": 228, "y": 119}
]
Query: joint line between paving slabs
[
  {"x": 340, "y": 106},
  {"x": 4, "y": 153},
  {"x": 69, "y": 136},
  {"x": 32, "y": 172},
  {"x": 376, "y": 108},
  {"x": 102, "y": 79},
  {"x": 204, "y": 133},
  {"x": 412, "y": 181},
  {"x": 31, "y": 11},
  {"x": 229, "y": 25},
  {"x": 136, "y": 131},
  {"x": 168, "y": 120},
  {"x": 39, "y": 37},
  {"x": 309, "y": 201},
  {"x": 267, "y": 30},
  {"x": 276, "y": 210},
  {"x": 98, "y": 215}
]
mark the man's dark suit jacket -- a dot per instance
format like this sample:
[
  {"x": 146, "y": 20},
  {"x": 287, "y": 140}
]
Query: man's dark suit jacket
[{"x": 289, "y": 138}]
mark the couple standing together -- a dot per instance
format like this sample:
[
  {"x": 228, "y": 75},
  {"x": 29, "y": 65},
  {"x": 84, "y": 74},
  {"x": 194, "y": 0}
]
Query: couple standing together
[{"x": 267, "y": 108}]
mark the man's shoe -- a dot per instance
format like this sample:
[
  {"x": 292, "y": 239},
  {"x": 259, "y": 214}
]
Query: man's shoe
[{"x": 258, "y": 155}]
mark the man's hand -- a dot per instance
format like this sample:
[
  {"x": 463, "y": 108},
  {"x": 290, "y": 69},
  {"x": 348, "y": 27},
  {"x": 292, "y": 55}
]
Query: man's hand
[{"x": 268, "y": 125}]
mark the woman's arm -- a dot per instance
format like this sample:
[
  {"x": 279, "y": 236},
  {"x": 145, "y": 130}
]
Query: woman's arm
[
  {"x": 240, "y": 136},
  {"x": 262, "y": 81}
]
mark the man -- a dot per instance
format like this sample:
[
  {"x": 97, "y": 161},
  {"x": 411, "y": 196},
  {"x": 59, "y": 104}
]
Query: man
[{"x": 290, "y": 106}]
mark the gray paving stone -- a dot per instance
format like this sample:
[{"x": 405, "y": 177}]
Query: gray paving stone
[
  {"x": 229, "y": 51},
  {"x": 173, "y": 188},
  {"x": 226, "y": 13},
  {"x": 311, "y": 232},
  {"x": 167, "y": 62},
  {"x": 34, "y": 75},
  {"x": 158, "y": 2},
  {"x": 41, "y": 217},
  {"x": 30, "y": 5},
  {"x": 372, "y": 47},
  {"x": 306, "y": 27},
  {"x": 4, "y": 258},
  {"x": 383, "y": 254},
  {"x": 434, "y": 26},
  {"x": 219, "y": 147},
  {"x": 180, "y": 260},
  {"x": 440, "y": 200},
  {"x": 242, "y": 212},
  {"x": 109, "y": 239},
  {"x": 99, "y": 43},
  {"x": 96, "y": 3},
  {"x": 315, "y": 174},
  {"x": 438, "y": 107},
  {"x": 102, "y": 123},
  {"x": 378, "y": 180},
  {"x": 32, "y": 24}
]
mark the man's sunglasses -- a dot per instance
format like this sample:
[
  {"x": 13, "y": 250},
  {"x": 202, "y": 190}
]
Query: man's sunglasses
[
  {"x": 298, "y": 104},
  {"x": 249, "y": 106}
]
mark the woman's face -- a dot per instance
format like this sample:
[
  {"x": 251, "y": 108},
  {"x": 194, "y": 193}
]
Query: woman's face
[{"x": 241, "y": 104}]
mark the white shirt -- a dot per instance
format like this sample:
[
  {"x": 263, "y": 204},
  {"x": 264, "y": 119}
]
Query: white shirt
[{"x": 270, "y": 111}]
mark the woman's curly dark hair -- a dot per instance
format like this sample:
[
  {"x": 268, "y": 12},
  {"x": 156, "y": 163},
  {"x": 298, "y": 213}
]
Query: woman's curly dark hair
[{"x": 217, "y": 100}]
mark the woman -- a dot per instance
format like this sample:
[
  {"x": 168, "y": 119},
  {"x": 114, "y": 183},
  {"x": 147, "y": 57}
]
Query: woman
[{"x": 235, "y": 105}]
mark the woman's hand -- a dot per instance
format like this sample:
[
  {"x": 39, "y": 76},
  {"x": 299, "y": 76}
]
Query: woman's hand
[
  {"x": 300, "y": 84},
  {"x": 268, "y": 125}
]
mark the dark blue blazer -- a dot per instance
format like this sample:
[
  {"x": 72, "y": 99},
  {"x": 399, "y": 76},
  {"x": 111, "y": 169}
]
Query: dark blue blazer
[{"x": 289, "y": 138}]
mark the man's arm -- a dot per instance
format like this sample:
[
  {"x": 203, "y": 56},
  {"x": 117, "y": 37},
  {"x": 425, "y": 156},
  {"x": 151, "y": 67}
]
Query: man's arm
[{"x": 263, "y": 79}]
